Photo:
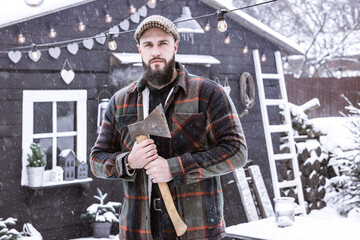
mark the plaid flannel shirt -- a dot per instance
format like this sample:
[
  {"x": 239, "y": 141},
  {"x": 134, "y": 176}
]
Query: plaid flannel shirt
[{"x": 207, "y": 141}]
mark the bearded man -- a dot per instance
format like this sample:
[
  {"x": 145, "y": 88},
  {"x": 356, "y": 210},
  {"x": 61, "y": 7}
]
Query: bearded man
[{"x": 207, "y": 141}]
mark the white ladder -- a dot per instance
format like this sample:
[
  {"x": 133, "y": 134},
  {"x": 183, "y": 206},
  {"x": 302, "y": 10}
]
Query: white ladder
[{"x": 285, "y": 128}]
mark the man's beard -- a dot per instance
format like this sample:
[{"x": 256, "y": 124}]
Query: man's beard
[{"x": 159, "y": 77}]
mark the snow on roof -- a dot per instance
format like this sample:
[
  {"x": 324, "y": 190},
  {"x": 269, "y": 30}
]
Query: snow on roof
[
  {"x": 15, "y": 11},
  {"x": 258, "y": 27},
  {"x": 135, "y": 58}
]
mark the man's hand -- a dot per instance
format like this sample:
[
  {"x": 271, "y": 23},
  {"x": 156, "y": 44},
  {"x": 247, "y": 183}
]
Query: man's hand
[
  {"x": 159, "y": 170},
  {"x": 142, "y": 153}
]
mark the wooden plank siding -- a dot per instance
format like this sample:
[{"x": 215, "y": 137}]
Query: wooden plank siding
[
  {"x": 327, "y": 90},
  {"x": 56, "y": 212}
]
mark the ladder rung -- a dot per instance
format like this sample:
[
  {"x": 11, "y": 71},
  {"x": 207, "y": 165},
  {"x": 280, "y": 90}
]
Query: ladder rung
[
  {"x": 270, "y": 102},
  {"x": 279, "y": 128},
  {"x": 274, "y": 76},
  {"x": 286, "y": 184},
  {"x": 284, "y": 156}
]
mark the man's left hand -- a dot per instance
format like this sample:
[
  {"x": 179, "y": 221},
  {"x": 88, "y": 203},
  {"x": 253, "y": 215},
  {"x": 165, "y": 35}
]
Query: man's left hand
[{"x": 159, "y": 170}]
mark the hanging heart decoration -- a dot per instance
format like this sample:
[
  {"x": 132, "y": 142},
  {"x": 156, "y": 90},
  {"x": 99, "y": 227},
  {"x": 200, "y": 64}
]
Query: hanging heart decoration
[
  {"x": 115, "y": 30},
  {"x": 143, "y": 11},
  {"x": 73, "y": 48},
  {"x": 135, "y": 18},
  {"x": 88, "y": 43},
  {"x": 14, "y": 56},
  {"x": 34, "y": 56},
  {"x": 124, "y": 25},
  {"x": 67, "y": 75},
  {"x": 54, "y": 52},
  {"x": 100, "y": 38}
]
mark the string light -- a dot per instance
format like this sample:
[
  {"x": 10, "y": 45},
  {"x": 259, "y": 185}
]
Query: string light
[
  {"x": 207, "y": 27},
  {"x": 311, "y": 69},
  {"x": 81, "y": 26},
  {"x": 263, "y": 57},
  {"x": 222, "y": 25},
  {"x": 152, "y": 2},
  {"x": 286, "y": 63},
  {"x": 34, "y": 3},
  {"x": 108, "y": 18},
  {"x": 227, "y": 40},
  {"x": 132, "y": 8},
  {"x": 34, "y": 52},
  {"x": 21, "y": 38},
  {"x": 338, "y": 73},
  {"x": 52, "y": 32},
  {"x": 111, "y": 41},
  {"x": 245, "y": 49}
]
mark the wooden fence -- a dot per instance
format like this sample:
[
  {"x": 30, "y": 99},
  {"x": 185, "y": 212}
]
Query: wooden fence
[{"x": 327, "y": 90}]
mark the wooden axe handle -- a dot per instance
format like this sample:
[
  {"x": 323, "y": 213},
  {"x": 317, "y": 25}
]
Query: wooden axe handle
[{"x": 179, "y": 225}]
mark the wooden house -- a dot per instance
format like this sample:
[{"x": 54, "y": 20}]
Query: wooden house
[
  {"x": 67, "y": 159},
  {"x": 50, "y": 86}
]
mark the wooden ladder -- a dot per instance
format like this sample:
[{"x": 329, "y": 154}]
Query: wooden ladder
[{"x": 285, "y": 129}]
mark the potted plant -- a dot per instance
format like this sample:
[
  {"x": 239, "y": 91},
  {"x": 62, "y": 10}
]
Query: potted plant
[
  {"x": 101, "y": 215},
  {"x": 36, "y": 166}
]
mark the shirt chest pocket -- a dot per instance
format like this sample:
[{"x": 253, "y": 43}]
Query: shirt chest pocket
[{"x": 188, "y": 132}]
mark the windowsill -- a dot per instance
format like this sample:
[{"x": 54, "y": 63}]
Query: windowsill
[{"x": 59, "y": 184}]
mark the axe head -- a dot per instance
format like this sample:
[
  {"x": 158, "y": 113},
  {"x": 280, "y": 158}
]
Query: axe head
[{"x": 154, "y": 124}]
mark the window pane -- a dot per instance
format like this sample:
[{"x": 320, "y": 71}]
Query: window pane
[
  {"x": 66, "y": 143},
  {"x": 66, "y": 116},
  {"x": 43, "y": 117},
  {"x": 46, "y": 145}
]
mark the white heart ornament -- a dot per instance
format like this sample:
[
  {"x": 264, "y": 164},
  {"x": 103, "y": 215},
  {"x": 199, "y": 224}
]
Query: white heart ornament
[
  {"x": 54, "y": 52},
  {"x": 135, "y": 17},
  {"x": 67, "y": 75},
  {"x": 88, "y": 43},
  {"x": 73, "y": 48},
  {"x": 101, "y": 38},
  {"x": 14, "y": 56},
  {"x": 31, "y": 56},
  {"x": 124, "y": 25},
  {"x": 143, "y": 11},
  {"x": 115, "y": 30}
]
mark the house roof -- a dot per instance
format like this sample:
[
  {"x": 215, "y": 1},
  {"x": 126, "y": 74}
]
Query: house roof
[
  {"x": 16, "y": 11},
  {"x": 247, "y": 21}
]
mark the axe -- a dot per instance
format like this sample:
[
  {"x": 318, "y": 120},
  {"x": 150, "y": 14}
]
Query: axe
[{"x": 155, "y": 124}]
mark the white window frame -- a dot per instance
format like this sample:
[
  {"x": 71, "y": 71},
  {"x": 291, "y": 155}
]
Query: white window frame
[{"x": 35, "y": 96}]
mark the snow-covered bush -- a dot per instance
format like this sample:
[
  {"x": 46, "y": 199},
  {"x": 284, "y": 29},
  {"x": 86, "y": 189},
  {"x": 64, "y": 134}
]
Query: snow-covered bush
[
  {"x": 5, "y": 232},
  {"x": 346, "y": 185},
  {"x": 101, "y": 212}
]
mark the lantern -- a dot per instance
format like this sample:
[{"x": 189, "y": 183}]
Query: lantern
[{"x": 102, "y": 104}]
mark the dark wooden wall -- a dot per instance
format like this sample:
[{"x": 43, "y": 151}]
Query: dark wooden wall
[
  {"x": 327, "y": 90},
  {"x": 56, "y": 212}
]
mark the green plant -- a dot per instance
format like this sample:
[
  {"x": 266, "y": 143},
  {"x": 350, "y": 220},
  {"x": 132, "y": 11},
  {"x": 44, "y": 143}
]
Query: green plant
[
  {"x": 5, "y": 232},
  {"x": 36, "y": 159},
  {"x": 101, "y": 212}
]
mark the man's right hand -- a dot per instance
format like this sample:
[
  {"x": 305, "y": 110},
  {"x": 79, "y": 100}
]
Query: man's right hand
[{"x": 142, "y": 153}]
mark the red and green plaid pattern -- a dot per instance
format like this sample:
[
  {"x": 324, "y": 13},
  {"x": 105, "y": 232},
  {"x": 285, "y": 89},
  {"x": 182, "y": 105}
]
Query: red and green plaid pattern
[{"x": 207, "y": 141}]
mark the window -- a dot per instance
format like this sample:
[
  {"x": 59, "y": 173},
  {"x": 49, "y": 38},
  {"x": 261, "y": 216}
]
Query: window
[{"x": 55, "y": 119}]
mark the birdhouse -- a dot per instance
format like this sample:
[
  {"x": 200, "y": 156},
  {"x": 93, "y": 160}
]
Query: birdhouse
[
  {"x": 67, "y": 162},
  {"x": 57, "y": 174},
  {"x": 81, "y": 169}
]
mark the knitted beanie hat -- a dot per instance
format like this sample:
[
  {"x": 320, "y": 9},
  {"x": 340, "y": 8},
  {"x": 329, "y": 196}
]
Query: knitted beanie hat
[{"x": 156, "y": 21}]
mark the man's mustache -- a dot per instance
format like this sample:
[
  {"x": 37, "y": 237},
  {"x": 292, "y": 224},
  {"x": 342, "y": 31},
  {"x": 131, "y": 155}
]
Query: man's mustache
[{"x": 153, "y": 59}]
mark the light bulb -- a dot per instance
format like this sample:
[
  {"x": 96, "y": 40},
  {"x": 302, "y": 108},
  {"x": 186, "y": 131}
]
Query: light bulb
[
  {"x": 35, "y": 54},
  {"x": 21, "y": 38},
  {"x": 227, "y": 40},
  {"x": 152, "y": 2},
  {"x": 286, "y": 64},
  {"x": 34, "y": 3},
  {"x": 263, "y": 57},
  {"x": 52, "y": 33},
  {"x": 222, "y": 25},
  {"x": 338, "y": 74},
  {"x": 112, "y": 45},
  {"x": 132, "y": 9},
  {"x": 245, "y": 49},
  {"x": 108, "y": 18},
  {"x": 207, "y": 27},
  {"x": 81, "y": 26}
]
